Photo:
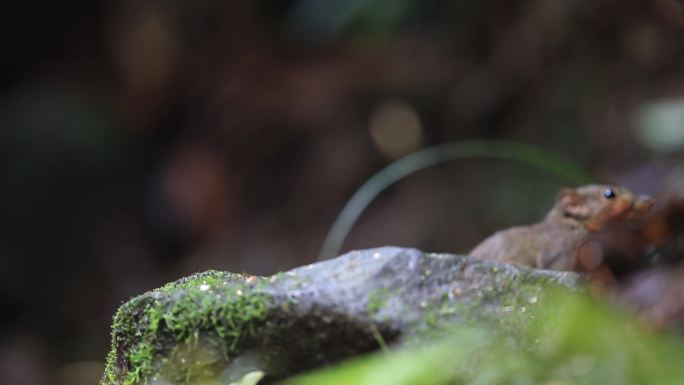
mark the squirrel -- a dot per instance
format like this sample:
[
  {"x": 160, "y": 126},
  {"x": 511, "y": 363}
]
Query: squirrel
[{"x": 566, "y": 239}]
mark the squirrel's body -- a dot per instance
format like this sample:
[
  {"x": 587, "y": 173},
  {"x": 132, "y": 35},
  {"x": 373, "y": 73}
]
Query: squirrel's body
[
  {"x": 558, "y": 241},
  {"x": 548, "y": 245}
]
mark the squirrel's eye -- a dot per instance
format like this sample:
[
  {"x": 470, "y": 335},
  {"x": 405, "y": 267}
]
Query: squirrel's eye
[{"x": 609, "y": 193}]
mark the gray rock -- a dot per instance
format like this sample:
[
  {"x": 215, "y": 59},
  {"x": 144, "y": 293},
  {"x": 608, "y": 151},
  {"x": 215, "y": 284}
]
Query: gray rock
[{"x": 217, "y": 326}]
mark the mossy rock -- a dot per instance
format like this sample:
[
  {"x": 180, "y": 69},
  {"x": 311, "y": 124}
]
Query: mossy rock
[{"x": 215, "y": 327}]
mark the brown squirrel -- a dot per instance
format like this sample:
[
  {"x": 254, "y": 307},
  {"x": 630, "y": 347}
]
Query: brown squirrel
[{"x": 565, "y": 239}]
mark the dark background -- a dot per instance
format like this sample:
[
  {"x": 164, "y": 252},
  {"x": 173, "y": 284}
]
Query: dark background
[{"x": 141, "y": 141}]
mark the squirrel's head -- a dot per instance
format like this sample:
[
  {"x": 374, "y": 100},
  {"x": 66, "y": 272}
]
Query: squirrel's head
[{"x": 596, "y": 205}]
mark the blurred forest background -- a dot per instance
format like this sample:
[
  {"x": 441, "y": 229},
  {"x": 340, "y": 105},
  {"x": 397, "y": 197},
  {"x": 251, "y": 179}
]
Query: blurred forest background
[{"x": 141, "y": 141}]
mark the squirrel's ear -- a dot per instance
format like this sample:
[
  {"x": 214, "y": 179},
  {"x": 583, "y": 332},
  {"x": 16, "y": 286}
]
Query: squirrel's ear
[
  {"x": 569, "y": 201},
  {"x": 567, "y": 195}
]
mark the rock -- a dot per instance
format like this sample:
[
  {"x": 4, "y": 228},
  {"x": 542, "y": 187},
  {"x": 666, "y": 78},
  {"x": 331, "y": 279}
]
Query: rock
[{"x": 216, "y": 327}]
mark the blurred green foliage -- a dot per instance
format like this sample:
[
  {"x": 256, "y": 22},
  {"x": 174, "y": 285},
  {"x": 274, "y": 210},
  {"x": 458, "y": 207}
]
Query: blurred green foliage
[
  {"x": 322, "y": 21},
  {"x": 573, "y": 340}
]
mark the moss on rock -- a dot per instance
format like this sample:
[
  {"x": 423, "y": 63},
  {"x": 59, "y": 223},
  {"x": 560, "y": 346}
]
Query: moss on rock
[{"x": 150, "y": 330}]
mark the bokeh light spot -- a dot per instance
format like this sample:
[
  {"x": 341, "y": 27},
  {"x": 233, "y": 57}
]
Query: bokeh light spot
[{"x": 395, "y": 128}]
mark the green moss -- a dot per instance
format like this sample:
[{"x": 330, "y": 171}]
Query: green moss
[
  {"x": 378, "y": 299},
  {"x": 110, "y": 365},
  {"x": 211, "y": 277},
  {"x": 506, "y": 304},
  {"x": 149, "y": 330}
]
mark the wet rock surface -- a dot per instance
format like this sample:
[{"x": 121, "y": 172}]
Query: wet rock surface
[{"x": 214, "y": 327}]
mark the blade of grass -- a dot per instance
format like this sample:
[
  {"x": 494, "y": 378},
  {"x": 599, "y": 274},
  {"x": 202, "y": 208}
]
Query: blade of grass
[{"x": 477, "y": 149}]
